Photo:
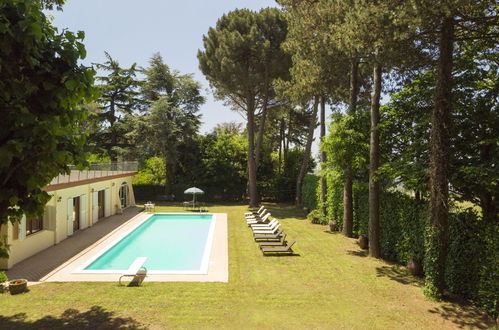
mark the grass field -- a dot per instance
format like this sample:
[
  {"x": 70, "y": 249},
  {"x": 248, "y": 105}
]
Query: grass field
[{"x": 330, "y": 283}]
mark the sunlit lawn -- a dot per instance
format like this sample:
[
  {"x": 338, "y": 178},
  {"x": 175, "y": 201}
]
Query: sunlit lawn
[{"x": 329, "y": 284}]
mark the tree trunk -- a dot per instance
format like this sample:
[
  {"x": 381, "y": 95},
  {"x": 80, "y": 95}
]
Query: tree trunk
[
  {"x": 261, "y": 130},
  {"x": 439, "y": 164},
  {"x": 114, "y": 135},
  {"x": 323, "y": 157},
  {"x": 374, "y": 248},
  {"x": 281, "y": 143},
  {"x": 306, "y": 154},
  {"x": 253, "y": 193},
  {"x": 347, "y": 187}
]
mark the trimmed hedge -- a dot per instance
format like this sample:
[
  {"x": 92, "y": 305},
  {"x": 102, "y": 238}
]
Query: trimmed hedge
[
  {"x": 472, "y": 267},
  {"x": 311, "y": 183}
]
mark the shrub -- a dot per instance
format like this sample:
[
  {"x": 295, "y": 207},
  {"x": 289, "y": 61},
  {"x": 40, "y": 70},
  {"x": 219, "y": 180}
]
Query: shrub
[{"x": 316, "y": 217}]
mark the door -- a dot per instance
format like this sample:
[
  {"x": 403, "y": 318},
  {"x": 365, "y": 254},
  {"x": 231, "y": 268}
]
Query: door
[
  {"x": 124, "y": 195},
  {"x": 107, "y": 202},
  {"x": 95, "y": 206},
  {"x": 101, "y": 204},
  {"x": 70, "y": 217},
  {"x": 76, "y": 214}
]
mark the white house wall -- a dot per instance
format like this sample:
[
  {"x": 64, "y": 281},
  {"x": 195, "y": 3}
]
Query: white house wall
[{"x": 55, "y": 218}]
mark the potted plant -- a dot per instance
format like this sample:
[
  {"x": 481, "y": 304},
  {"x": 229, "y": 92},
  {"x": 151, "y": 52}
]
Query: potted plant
[
  {"x": 363, "y": 242},
  {"x": 415, "y": 266},
  {"x": 333, "y": 225},
  {"x": 3, "y": 279},
  {"x": 18, "y": 286}
]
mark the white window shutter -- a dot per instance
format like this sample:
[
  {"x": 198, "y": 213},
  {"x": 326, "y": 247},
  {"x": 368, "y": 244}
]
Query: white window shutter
[{"x": 22, "y": 228}]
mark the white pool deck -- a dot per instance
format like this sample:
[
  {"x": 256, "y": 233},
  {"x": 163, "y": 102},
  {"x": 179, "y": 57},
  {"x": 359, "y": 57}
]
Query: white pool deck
[{"x": 218, "y": 265}]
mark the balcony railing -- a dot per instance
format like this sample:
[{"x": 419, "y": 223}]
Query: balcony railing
[{"x": 95, "y": 170}]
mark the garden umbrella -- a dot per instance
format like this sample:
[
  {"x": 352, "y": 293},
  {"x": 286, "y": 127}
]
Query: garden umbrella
[{"x": 193, "y": 191}]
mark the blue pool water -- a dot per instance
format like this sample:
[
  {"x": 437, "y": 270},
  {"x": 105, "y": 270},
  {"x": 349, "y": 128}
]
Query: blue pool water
[{"x": 171, "y": 242}]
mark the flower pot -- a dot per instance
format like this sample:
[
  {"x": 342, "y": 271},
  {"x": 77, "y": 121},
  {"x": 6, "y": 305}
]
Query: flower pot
[
  {"x": 363, "y": 242},
  {"x": 18, "y": 286},
  {"x": 415, "y": 266},
  {"x": 333, "y": 225}
]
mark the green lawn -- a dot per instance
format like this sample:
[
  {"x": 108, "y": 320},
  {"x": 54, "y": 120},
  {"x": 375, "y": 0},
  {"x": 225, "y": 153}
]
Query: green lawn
[{"x": 330, "y": 284}]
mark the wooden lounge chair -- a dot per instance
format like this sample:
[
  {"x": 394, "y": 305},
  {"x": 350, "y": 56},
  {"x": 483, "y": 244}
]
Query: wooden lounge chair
[
  {"x": 254, "y": 212},
  {"x": 263, "y": 225},
  {"x": 281, "y": 242},
  {"x": 269, "y": 237},
  {"x": 262, "y": 219},
  {"x": 256, "y": 216},
  {"x": 280, "y": 249},
  {"x": 263, "y": 222},
  {"x": 137, "y": 271},
  {"x": 269, "y": 231}
]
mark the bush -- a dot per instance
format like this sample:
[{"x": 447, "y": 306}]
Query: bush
[
  {"x": 316, "y": 217},
  {"x": 3, "y": 277},
  {"x": 311, "y": 183}
]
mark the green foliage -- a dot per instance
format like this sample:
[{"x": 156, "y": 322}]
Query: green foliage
[
  {"x": 120, "y": 97},
  {"x": 154, "y": 172},
  {"x": 346, "y": 145},
  {"x": 3, "y": 277},
  {"x": 309, "y": 191},
  {"x": 315, "y": 216},
  {"x": 223, "y": 157},
  {"x": 41, "y": 89}
]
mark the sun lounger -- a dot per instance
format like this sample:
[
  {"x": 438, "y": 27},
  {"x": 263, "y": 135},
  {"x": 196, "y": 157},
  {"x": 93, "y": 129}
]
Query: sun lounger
[
  {"x": 137, "y": 271},
  {"x": 263, "y": 225},
  {"x": 264, "y": 220},
  {"x": 281, "y": 242},
  {"x": 256, "y": 216},
  {"x": 254, "y": 212},
  {"x": 269, "y": 237},
  {"x": 269, "y": 231},
  {"x": 281, "y": 249}
]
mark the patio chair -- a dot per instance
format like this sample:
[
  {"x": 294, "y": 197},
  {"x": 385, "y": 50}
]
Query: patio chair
[
  {"x": 253, "y": 212},
  {"x": 280, "y": 250},
  {"x": 272, "y": 230},
  {"x": 263, "y": 225},
  {"x": 137, "y": 271},
  {"x": 281, "y": 242},
  {"x": 257, "y": 215},
  {"x": 262, "y": 220},
  {"x": 269, "y": 237}
]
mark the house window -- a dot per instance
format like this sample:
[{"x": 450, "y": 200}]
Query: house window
[{"x": 34, "y": 225}]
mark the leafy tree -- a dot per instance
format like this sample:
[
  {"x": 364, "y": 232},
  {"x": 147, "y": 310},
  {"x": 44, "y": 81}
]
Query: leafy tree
[
  {"x": 119, "y": 97},
  {"x": 242, "y": 57},
  {"x": 223, "y": 157},
  {"x": 41, "y": 89},
  {"x": 154, "y": 172},
  {"x": 173, "y": 120},
  {"x": 447, "y": 22}
]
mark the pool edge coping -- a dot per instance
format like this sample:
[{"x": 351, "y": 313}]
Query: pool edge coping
[{"x": 217, "y": 262}]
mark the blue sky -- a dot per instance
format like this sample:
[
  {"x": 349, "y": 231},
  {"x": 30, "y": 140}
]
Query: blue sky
[{"x": 131, "y": 31}]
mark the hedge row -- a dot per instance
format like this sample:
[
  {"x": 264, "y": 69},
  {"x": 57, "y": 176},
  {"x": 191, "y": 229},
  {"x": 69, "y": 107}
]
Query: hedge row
[{"x": 472, "y": 266}]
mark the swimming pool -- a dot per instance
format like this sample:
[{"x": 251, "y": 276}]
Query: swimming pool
[{"x": 172, "y": 243}]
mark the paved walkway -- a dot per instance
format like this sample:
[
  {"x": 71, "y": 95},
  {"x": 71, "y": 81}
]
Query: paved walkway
[{"x": 37, "y": 266}]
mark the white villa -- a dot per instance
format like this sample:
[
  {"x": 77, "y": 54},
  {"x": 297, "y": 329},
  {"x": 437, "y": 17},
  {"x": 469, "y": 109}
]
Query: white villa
[{"x": 78, "y": 201}]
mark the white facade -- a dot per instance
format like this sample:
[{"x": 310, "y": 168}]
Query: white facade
[{"x": 74, "y": 206}]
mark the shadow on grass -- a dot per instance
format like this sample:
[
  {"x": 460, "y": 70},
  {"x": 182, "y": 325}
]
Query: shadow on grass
[
  {"x": 283, "y": 255},
  {"x": 283, "y": 211},
  {"x": 463, "y": 316},
  {"x": 361, "y": 253},
  {"x": 95, "y": 318},
  {"x": 399, "y": 274}
]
